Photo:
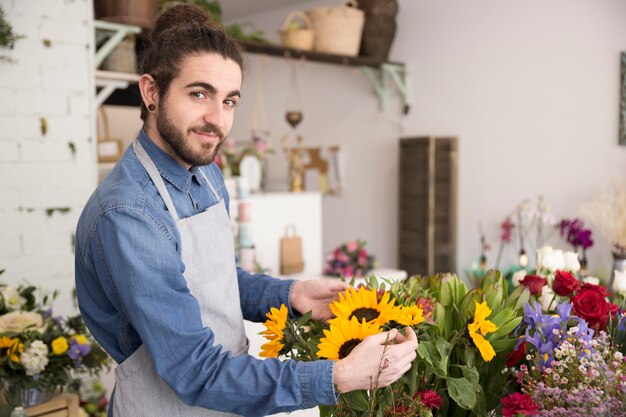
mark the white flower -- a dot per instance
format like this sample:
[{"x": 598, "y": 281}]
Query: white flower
[
  {"x": 12, "y": 299},
  {"x": 571, "y": 262},
  {"x": 591, "y": 280},
  {"x": 18, "y": 321},
  {"x": 619, "y": 283},
  {"x": 541, "y": 254},
  {"x": 550, "y": 259},
  {"x": 35, "y": 358},
  {"x": 518, "y": 276},
  {"x": 547, "y": 296}
]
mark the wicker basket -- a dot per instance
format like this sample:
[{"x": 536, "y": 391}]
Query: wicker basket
[
  {"x": 298, "y": 38},
  {"x": 137, "y": 12},
  {"x": 338, "y": 29},
  {"x": 123, "y": 57}
]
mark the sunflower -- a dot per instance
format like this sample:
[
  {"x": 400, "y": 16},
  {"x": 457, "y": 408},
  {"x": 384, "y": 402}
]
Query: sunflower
[
  {"x": 411, "y": 316},
  {"x": 480, "y": 327},
  {"x": 363, "y": 304},
  {"x": 343, "y": 336},
  {"x": 275, "y": 326}
]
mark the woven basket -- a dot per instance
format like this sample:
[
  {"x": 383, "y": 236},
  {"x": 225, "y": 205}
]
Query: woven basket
[
  {"x": 338, "y": 29},
  {"x": 298, "y": 38},
  {"x": 137, "y": 12},
  {"x": 123, "y": 57}
]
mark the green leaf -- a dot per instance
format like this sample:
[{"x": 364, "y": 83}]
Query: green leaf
[
  {"x": 462, "y": 392},
  {"x": 358, "y": 400},
  {"x": 506, "y": 328},
  {"x": 444, "y": 348},
  {"x": 446, "y": 293},
  {"x": 503, "y": 344},
  {"x": 523, "y": 298},
  {"x": 502, "y": 317},
  {"x": 471, "y": 374},
  {"x": 429, "y": 352},
  {"x": 494, "y": 296}
]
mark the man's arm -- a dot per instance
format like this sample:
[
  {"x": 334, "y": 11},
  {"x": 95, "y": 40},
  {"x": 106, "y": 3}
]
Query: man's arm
[
  {"x": 259, "y": 292},
  {"x": 137, "y": 259}
]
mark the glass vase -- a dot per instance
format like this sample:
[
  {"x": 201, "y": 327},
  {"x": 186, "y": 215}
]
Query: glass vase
[
  {"x": 25, "y": 397},
  {"x": 619, "y": 264}
]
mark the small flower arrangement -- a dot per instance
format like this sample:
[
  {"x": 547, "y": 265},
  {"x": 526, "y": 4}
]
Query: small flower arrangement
[
  {"x": 566, "y": 368},
  {"x": 350, "y": 259},
  {"x": 39, "y": 350},
  {"x": 464, "y": 338}
]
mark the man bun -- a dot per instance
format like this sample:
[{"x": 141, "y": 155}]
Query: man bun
[{"x": 177, "y": 15}]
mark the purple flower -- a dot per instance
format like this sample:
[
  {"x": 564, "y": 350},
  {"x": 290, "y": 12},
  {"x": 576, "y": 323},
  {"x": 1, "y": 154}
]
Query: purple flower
[
  {"x": 78, "y": 351},
  {"x": 574, "y": 232}
]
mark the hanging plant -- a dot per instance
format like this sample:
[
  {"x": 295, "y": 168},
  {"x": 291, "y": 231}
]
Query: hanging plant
[{"x": 7, "y": 36}]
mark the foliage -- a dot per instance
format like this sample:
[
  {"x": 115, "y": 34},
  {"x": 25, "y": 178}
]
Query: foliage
[
  {"x": 39, "y": 350},
  {"x": 7, "y": 36},
  {"x": 235, "y": 30},
  {"x": 451, "y": 375}
]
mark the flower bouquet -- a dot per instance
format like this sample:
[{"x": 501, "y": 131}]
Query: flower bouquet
[
  {"x": 566, "y": 368},
  {"x": 40, "y": 352},
  {"x": 349, "y": 260},
  {"x": 464, "y": 340}
]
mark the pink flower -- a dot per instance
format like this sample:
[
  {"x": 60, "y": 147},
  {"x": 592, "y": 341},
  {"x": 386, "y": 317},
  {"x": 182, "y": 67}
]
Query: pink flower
[
  {"x": 352, "y": 246},
  {"x": 362, "y": 260},
  {"x": 348, "y": 271},
  {"x": 429, "y": 398},
  {"x": 341, "y": 256},
  {"x": 517, "y": 403}
]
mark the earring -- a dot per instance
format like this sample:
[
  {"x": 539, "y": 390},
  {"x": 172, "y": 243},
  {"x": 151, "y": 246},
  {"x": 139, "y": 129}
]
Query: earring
[{"x": 151, "y": 107}]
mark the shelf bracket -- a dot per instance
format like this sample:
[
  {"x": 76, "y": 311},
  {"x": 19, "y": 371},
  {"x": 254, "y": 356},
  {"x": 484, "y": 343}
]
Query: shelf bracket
[
  {"x": 120, "y": 32},
  {"x": 108, "y": 87},
  {"x": 397, "y": 74}
]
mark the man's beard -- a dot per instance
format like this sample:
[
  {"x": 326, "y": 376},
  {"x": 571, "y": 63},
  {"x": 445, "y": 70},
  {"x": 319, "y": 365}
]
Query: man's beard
[{"x": 180, "y": 144}]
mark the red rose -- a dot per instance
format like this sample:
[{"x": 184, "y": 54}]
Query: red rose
[
  {"x": 564, "y": 283},
  {"x": 590, "y": 305},
  {"x": 516, "y": 404},
  {"x": 603, "y": 291},
  {"x": 534, "y": 283},
  {"x": 515, "y": 355},
  {"x": 429, "y": 398}
]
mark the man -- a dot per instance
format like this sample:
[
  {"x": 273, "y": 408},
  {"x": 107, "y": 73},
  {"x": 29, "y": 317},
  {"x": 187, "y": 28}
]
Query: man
[{"x": 155, "y": 267}]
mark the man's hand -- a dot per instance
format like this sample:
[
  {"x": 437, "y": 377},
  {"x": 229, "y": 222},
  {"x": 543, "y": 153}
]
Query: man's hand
[
  {"x": 371, "y": 363},
  {"x": 315, "y": 295}
]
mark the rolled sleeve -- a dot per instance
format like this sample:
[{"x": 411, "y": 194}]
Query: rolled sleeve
[
  {"x": 259, "y": 292},
  {"x": 317, "y": 383}
]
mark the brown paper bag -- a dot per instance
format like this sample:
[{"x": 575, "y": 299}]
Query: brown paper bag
[{"x": 291, "y": 261}]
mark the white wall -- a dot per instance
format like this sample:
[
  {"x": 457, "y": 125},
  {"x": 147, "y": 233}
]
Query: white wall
[
  {"x": 39, "y": 171},
  {"x": 531, "y": 88}
]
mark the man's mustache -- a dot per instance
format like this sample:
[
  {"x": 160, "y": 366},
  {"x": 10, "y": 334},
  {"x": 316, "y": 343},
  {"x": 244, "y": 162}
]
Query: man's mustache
[{"x": 209, "y": 128}]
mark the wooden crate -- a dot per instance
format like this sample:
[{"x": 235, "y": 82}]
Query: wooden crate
[
  {"x": 63, "y": 405},
  {"x": 427, "y": 205}
]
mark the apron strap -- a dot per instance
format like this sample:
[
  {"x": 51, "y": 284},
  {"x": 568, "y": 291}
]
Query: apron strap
[
  {"x": 213, "y": 190},
  {"x": 152, "y": 170}
]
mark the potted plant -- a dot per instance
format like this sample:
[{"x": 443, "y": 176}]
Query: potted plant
[{"x": 7, "y": 36}]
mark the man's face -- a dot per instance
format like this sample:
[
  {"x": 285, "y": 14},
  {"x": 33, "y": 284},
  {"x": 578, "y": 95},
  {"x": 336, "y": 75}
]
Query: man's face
[{"x": 197, "y": 112}]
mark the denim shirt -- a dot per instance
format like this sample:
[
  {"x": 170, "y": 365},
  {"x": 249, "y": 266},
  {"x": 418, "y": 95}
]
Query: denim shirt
[{"x": 131, "y": 291}]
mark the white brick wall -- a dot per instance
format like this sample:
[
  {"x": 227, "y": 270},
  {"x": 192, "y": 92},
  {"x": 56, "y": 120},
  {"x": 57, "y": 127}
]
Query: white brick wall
[{"x": 51, "y": 80}]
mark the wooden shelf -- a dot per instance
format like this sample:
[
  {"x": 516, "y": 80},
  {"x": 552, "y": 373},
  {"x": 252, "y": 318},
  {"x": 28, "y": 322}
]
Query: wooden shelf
[{"x": 280, "y": 51}]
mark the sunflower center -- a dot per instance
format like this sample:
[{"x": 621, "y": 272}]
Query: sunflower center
[
  {"x": 368, "y": 314},
  {"x": 347, "y": 347}
]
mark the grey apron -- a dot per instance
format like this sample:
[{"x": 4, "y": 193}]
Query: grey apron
[{"x": 209, "y": 257}]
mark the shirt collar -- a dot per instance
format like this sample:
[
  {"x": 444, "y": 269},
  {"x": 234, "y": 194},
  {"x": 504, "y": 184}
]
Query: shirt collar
[{"x": 169, "y": 169}]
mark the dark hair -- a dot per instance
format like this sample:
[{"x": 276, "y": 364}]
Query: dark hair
[{"x": 180, "y": 31}]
